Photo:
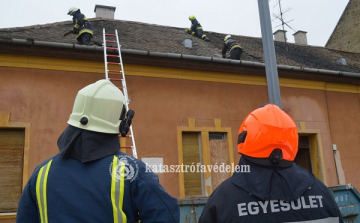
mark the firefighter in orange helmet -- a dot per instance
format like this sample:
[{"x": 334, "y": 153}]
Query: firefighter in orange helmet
[{"x": 273, "y": 188}]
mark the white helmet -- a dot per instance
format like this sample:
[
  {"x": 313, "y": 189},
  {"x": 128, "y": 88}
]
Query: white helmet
[
  {"x": 227, "y": 37},
  {"x": 98, "y": 107},
  {"x": 72, "y": 10}
]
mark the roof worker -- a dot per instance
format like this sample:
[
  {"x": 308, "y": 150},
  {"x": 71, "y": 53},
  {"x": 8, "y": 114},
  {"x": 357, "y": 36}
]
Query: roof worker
[
  {"x": 272, "y": 188},
  {"x": 196, "y": 29},
  {"x": 82, "y": 27},
  {"x": 90, "y": 180},
  {"x": 233, "y": 46}
]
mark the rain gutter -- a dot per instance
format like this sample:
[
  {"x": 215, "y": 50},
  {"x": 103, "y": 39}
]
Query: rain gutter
[{"x": 174, "y": 55}]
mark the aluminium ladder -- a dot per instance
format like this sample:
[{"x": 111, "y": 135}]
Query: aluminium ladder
[{"x": 118, "y": 72}]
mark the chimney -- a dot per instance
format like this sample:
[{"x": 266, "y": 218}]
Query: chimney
[
  {"x": 187, "y": 43},
  {"x": 280, "y": 35},
  {"x": 104, "y": 12},
  {"x": 300, "y": 37}
]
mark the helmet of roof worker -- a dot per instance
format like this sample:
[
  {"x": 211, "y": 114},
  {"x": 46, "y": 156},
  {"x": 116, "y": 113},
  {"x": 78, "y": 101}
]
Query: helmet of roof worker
[
  {"x": 72, "y": 10},
  {"x": 98, "y": 107},
  {"x": 192, "y": 17},
  {"x": 265, "y": 130},
  {"x": 227, "y": 37}
]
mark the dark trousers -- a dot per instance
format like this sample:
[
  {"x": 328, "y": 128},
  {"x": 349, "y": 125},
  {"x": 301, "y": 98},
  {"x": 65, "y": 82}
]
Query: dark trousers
[
  {"x": 84, "y": 39},
  {"x": 200, "y": 33},
  {"x": 235, "y": 54}
]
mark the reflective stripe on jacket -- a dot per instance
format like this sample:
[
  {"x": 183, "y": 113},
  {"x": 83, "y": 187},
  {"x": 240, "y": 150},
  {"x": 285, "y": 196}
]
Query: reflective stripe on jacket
[{"x": 41, "y": 183}]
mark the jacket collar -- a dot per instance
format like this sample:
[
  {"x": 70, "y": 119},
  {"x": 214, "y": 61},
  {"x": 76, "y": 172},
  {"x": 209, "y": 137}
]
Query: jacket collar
[
  {"x": 85, "y": 146},
  {"x": 271, "y": 183}
]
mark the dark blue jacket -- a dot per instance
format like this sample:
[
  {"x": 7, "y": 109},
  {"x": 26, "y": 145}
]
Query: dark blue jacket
[
  {"x": 268, "y": 194},
  {"x": 195, "y": 25},
  {"x": 230, "y": 44},
  {"x": 79, "y": 185},
  {"x": 81, "y": 24}
]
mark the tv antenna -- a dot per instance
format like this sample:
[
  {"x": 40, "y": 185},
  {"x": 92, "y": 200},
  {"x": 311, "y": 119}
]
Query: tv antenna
[{"x": 281, "y": 18}]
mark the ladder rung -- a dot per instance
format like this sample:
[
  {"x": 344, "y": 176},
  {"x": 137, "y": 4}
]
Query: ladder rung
[
  {"x": 111, "y": 48},
  {"x": 113, "y": 63},
  {"x": 111, "y": 55},
  {"x": 128, "y": 147},
  {"x": 111, "y": 41},
  {"x": 115, "y": 79},
  {"x": 109, "y": 34},
  {"x": 114, "y": 71}
]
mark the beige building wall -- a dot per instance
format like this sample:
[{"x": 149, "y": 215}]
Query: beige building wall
[{"x": 40, "y": 94}]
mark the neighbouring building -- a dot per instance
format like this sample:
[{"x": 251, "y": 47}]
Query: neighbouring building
[
  {"x": 345, "y": 36},
  {"x": 189, "y": 102}
]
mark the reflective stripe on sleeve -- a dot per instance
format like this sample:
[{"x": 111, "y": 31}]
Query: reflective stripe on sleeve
[
  {"x": 117, "y": 190},
  {"x": 41, "y": 183}
]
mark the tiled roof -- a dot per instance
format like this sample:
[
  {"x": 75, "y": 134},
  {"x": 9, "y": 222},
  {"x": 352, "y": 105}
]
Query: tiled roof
[{"x": 165, "y": 39}]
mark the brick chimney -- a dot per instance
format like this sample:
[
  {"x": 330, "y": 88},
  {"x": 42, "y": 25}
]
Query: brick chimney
[
  {"x": 300, "y": 37},
  {"x": 280, "y": 35},
  {"x": 104, "y": 12}
]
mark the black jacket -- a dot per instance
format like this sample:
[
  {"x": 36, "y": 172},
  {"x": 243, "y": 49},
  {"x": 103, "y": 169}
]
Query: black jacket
[{"x": 267, "y": 194}]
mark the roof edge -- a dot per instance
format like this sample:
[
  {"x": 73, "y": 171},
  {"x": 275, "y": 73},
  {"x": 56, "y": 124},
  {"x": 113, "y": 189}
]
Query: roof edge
[{"x": 173, "y": 55}]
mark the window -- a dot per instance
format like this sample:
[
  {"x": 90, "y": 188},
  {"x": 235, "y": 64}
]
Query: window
[
  {"x": 201, "y": 147},
  {"x": 215, "y": 152},
  {"x": 303, "y": 158},
  {"x": 191, "y": 156},
  {"x": 218, "y": 156},
  {"x": 12, "y": 142}
]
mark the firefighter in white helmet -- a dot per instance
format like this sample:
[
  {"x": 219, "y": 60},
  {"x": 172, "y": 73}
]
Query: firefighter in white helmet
[
  {"x": 81, "y": 27},
  {"x": 267, "y": 186},
  {"x": 90, "y": 180},
  {"x": 233, "y": 47}
]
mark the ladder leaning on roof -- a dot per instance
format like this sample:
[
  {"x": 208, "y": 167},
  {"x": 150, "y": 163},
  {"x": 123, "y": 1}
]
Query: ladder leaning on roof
[{"x": 118, "y": 71}]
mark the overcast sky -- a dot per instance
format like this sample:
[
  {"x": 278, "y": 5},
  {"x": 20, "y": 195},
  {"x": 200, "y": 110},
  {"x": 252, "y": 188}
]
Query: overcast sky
[{"x": 240, "y": 17}]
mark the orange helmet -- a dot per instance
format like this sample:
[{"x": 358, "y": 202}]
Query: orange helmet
[{"x": 268, "y": 129}]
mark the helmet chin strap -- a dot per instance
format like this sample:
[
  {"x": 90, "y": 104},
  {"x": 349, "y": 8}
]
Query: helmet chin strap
[
  {"x": 276, "y": 156},
  {"x": 126, "y": 123},
  {"x": 274, "y": 160}
]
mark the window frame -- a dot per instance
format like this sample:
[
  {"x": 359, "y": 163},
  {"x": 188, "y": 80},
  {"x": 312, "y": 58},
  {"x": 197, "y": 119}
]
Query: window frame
[
  {"x": 205, "y": 152},
  {"x": 5, "y": 123},
  {"x": 316, "y": 151}
]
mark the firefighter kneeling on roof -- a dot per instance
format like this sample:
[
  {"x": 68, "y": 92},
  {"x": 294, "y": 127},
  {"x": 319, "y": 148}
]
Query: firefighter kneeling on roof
[
  {"x": 275, "y": 189},
  {"x": 90, "y": 180},
  {"x": 233, "y": 46}
]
